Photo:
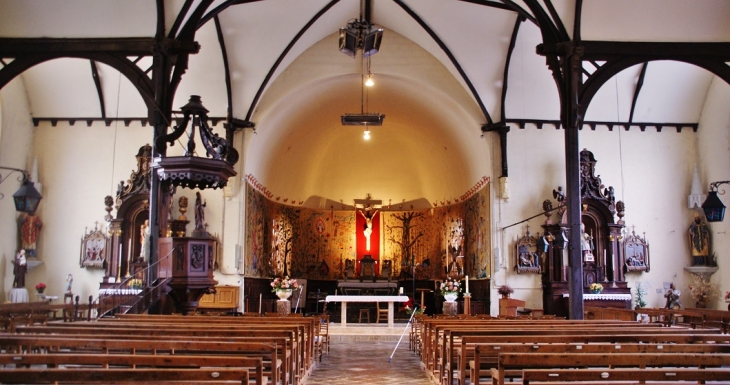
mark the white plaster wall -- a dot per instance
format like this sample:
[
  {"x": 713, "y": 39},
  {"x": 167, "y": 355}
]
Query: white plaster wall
[
  {"x": 714, "y": 155},
  {"x": 651, "y": 172},
  {"x": 79, "y": 166},
  {"x": 16, "y": 141}
]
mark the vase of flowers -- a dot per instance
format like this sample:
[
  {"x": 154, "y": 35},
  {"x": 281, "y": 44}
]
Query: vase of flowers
[
  {"x": 596, "y": 288},
  {"x": 505, "y": 291},
  {"x": 702, "y": 290},
  {"x": 450, "y": 289},
  {"x": 283, "y": 287},
  {"x": 40, "y": 288}
]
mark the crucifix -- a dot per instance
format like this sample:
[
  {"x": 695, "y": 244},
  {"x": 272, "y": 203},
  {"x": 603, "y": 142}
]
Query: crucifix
[{"x": 367, "y": 208}]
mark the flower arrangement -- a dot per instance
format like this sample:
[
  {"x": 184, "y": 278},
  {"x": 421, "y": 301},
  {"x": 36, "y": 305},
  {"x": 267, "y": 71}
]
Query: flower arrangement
[
  {"x": 505, "y": 291},
  {"x": 450, "y": 286},
  {"x": 640, "y": 293},
  {"x": 285, "y": 283},
  {"x": 727, "y": 296},
  {"x": 40, "y": 287},
  {"x": 419, "y": 310},
  {"x": 135, "y": 283},
  {"x": 702, "y": 289},
  {"x": 596, "y": 287}
]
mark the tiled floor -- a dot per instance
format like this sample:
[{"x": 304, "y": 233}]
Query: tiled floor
[{"x": 366, "y": 362}]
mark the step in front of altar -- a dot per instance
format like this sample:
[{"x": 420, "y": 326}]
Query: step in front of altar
[{"x": 367, "y": 332}]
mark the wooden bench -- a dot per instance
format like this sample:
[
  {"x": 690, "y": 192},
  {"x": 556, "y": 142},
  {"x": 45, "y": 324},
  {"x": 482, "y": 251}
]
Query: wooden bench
[
  {"x": 512, "y": 364},
  {"x": 486, "y": 355},
  {"x": 307, "y": 323},
  {"x": 134, "y": 361},
  {"x": 19, "y": 344},
  {"x": 452, "y": 339},
  {"x": 283, "y": 339},
  {"x": 292, "y": 351},
  {"x": 610, "y": 376},
  {"x": 124, "y": 376}
]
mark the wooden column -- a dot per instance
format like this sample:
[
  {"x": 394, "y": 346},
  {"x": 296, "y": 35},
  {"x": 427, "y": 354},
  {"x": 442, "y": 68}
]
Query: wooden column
[{"x": 571, "y": 118}]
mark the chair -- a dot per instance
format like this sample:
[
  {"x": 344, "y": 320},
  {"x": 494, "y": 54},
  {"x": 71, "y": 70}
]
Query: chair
[
  {"x": 367, "y": 314},
  {"x": 323, "y": 336},
  {"x": 384, "y": 312}
]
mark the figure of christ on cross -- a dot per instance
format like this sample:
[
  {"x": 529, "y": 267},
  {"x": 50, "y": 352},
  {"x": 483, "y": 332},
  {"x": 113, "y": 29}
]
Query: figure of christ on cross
[{"x": 368, "y": 213}]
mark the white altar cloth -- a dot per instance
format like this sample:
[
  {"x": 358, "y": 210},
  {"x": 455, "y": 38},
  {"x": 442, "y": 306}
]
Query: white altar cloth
[
  {"x": 19, "y": 295},
  {"x": 605, "y": 297},
  {"x": 366, "y": 298}
]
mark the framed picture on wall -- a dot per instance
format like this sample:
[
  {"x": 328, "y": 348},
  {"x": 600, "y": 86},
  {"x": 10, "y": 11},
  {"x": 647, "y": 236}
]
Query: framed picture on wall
[{"x": 93, "y": 248}]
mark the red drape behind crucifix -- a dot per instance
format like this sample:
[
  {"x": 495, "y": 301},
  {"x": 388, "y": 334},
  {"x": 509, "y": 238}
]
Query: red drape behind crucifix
[{"x": 362, "y": 250}]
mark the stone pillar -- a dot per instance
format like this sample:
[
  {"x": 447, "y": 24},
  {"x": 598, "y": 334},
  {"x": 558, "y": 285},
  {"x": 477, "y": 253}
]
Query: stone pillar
[
  {"x": 283, "y": 307},
  {"x": 451, "y": 308}
]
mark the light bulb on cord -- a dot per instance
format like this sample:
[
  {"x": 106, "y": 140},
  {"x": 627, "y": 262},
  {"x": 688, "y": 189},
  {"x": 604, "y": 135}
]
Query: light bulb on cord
[
  {"x": 366, "y": 136},
  {"x": 369, "y": 82}
]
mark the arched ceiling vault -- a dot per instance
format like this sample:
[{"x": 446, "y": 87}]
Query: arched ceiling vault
[{"x": 441, "y": 75}]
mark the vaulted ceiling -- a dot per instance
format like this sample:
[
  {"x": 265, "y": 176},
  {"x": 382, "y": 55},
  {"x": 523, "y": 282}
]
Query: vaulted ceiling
[{"x": 445, "y": 69}]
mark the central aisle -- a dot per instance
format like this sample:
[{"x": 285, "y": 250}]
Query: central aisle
[{"x": 366, "y": 362}]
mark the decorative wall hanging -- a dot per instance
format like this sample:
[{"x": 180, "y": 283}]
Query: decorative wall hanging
[
  {"x": 93, "y": 248},
  {"x": 527, "y": 259},
  {"x": 636, "y": 252}
]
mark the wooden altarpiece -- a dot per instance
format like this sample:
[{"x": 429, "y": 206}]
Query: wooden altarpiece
[
  {"x": 603, "y": 255},
  {"x": 126, "y": 230}
]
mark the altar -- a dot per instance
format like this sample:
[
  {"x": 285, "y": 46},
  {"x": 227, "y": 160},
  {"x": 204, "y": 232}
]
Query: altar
[
  {"x": 344, "y": 299},
  {"x": 618, "y": 300},
  {"x": 367, "y": 288}
]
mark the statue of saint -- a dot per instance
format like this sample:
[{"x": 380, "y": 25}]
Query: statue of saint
[
  {"x": 672, "y": 298},
  {"x": 69, "y": 283},
  {"x": 586, "y": 244},
  {"x": 699, "y": 241},
  {"x": 20, "y": 267},
  {"x": 30, "y": 229},
  {"x": 199, "y": 212},
  {"x": 144, "y": 240}
]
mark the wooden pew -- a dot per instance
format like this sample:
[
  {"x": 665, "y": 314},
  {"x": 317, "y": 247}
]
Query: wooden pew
[
  {"x": 610, "y": 376},
  {"x": 283, "y": 339},
  {"x": 18, "y": 344},
  {"x": 300, "y": 347},
  {"x": 307, "y": 338},
  {"x": 486, "y": 355},
  {"x": 714, "y": 318},
  {"x": 452, "y": 343},
  {"x": 133, "y": 361},
  {"x": 512, "y": 364},
  {"x": 125, "y": 376}
]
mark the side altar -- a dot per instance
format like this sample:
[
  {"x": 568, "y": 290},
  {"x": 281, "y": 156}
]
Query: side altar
[{"x": 603, "y": 247}]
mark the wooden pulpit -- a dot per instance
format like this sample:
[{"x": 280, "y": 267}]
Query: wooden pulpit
[{"x": 508, "y": 306}]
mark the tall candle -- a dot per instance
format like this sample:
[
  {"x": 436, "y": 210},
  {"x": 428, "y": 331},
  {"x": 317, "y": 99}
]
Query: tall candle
[
  {"x": 604, "y": 257},
  {"x": 400, "y": 291},
  {"x": 260, "y": 300},
  {"x": 467, "y": 283}
]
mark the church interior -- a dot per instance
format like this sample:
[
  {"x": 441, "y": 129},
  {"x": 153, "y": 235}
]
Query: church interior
[{"x": 550, "y": 146}]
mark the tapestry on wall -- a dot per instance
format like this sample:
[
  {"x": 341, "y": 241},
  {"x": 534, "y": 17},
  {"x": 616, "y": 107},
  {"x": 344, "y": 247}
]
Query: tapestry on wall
[{"x": 323, "y": 244}]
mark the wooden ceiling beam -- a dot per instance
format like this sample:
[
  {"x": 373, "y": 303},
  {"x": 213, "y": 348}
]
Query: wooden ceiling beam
[{"x": 13, "y": 47}]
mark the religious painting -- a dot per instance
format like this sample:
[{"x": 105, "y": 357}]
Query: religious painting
[
  {"x": 93, "y": 248},
  {"x": 636, "y": 253},
  {"x": 526, "y": 258}
]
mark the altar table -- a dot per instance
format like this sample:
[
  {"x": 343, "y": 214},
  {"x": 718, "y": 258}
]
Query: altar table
[{"x": 366, "y": 298}]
